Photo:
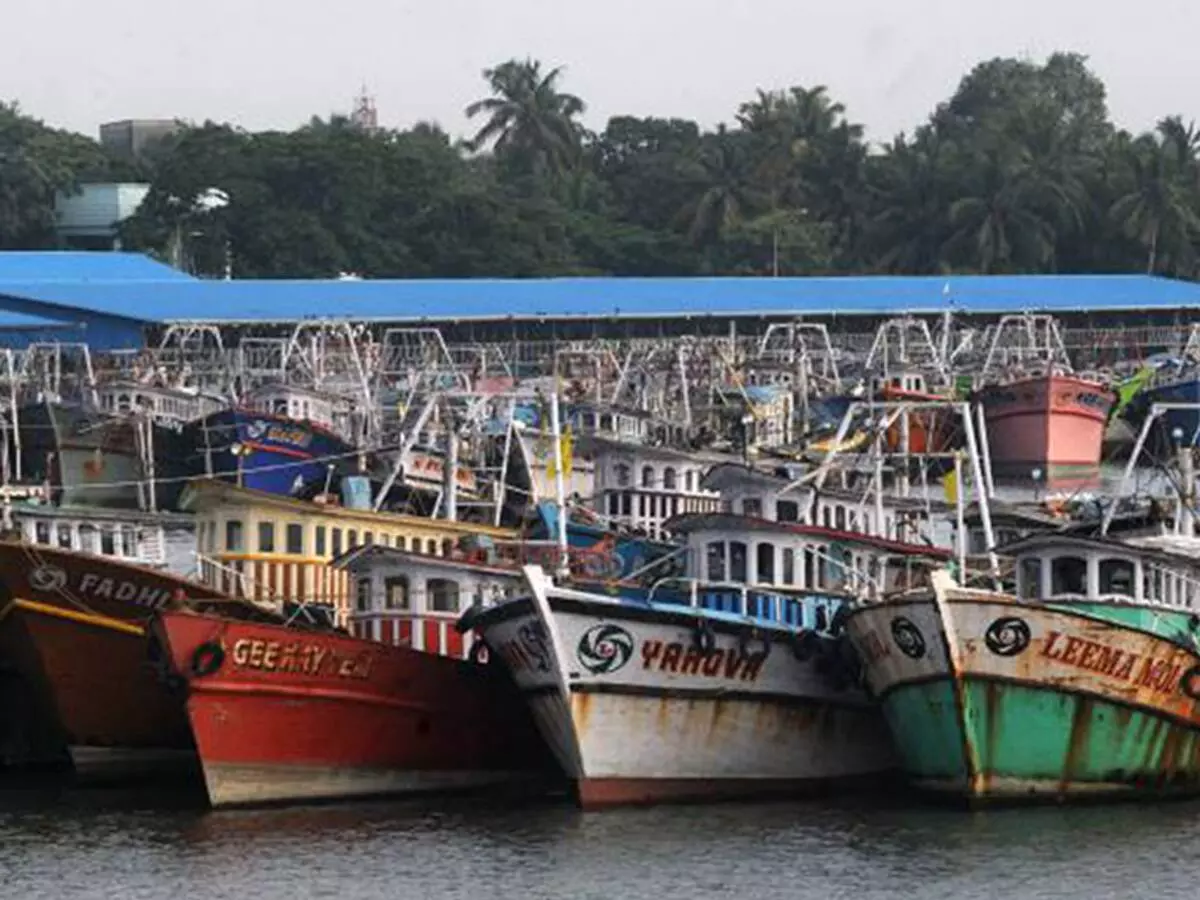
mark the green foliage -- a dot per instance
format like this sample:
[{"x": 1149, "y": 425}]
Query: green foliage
[{"x": 1020, "y": 170}]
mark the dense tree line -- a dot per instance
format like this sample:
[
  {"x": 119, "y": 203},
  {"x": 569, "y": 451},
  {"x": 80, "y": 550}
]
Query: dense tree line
[{"x": 1021, "y": 170}]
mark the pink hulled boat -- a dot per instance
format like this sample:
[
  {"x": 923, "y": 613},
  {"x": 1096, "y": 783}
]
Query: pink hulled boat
[{"x": 1051, "y": 423}]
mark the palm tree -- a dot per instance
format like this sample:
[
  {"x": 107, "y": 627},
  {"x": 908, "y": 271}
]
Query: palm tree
[
  {"x": 726, "y": 195},
  {"x": 528, "y": 118},
  {"x": 1159, "y": 211},
  {"x": 1000, "y": 227}
]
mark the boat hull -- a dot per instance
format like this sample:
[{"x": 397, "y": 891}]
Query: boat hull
[
  {"x": 1027, "y": 703},
  {"x": 73, "y": 640},
  {"x": 636, "y": 714},
  {"x": 294, "y": 716},
  {"x": 281, "y": 455},
  {"x": 1054, "y": 424}
]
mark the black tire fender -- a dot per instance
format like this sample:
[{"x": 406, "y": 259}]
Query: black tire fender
[{"x": 207, "y": 659}]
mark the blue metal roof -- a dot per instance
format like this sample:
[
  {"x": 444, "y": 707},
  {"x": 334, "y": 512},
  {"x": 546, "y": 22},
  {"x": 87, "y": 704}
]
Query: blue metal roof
[
  {"x": 184, "y": 299},
  {"x": 79, "y": 265},
  {"x": 10, "y": 320}
]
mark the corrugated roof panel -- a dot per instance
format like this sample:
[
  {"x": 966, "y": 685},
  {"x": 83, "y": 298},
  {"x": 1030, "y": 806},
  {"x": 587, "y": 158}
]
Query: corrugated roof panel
[
  {"x": 84, "y": 265},
  {"x": 16, "y": 320},
  {"x": 443, "y": 300}
]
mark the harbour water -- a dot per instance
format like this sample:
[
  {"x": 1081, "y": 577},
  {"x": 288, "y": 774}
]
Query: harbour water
[{"x": 97, "y": 844}]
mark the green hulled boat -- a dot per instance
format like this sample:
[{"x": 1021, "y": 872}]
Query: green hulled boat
[{"x": 1083, "y": 683}]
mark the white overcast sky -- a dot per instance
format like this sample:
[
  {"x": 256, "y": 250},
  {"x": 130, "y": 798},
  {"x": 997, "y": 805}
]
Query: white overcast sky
[{"x": 274, "y": 63}]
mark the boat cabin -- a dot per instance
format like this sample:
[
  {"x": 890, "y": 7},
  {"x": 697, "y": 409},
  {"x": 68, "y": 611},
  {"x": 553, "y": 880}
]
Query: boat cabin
[
  {"x": 170, "y": 407},
  {"x": 894, "y": 383},
  {"x": 326, "y": 410},
  {"x": 733, "y": 549},
  {"x": 633, "y": 426},
  {"x": 776, "y": 496},
  {"x": 641, "y": 487},
  {"x": 415, "y": 600},
  {"x": 157, "y": 540},
  {"x": 1159, "y": 570},
  {"x": 271, "y": 547}
]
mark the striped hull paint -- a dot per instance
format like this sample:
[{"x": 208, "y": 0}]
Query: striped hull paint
[
  {"x": 1013, "y": 701},
  {"x": 635, "y": 715},
  {"x": 99, "y": 692}
]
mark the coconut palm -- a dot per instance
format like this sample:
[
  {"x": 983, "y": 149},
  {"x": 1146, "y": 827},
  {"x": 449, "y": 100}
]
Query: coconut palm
[
  {"x": 1160, "y": 209},
  {"x": 726, "y": 194},
  {"x": 528, "y": 117}
]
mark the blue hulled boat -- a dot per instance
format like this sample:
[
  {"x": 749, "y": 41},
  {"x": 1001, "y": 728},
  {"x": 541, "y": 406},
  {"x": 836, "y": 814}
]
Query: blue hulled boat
[{"x": 282, "y": 442}]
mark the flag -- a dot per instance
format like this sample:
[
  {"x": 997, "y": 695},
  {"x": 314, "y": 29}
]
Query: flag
[
  {"x": 565, "y": 446},
  {"x": 950, "y": 486}
]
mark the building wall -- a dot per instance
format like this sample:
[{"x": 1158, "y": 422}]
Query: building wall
[
  {"x": 89, "y": 219},
  {"x": 130, "y": 138},
  {"x": 99, "y": 331}
]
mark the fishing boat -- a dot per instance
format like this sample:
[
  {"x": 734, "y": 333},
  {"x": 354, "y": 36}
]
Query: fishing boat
[
  {"x": 399, "y": 703},
  {"x": 728, "y": 682},
  {"x": 72, "y": 635},
  {"x": 282, "y": 440},
  {"x": 1044, "y": 422},
  {"x": 1084, "y": 683}
]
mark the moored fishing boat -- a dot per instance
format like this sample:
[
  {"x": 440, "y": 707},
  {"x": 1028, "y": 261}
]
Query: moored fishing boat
[
  {"x": 280, "y": 713},
  {"x": 1084, "y": 683},
  {"x": 1048, "y": 426},
  {"x": 72, "y": 634},
  {"x": 729, "y": 682}
]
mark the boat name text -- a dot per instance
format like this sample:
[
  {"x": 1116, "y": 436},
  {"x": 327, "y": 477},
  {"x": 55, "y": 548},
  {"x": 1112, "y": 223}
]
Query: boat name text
[
  {"x": 303, "y": 659},
  {"x": 1159, "y": 675},
  {"x": 678, "y": 659}
]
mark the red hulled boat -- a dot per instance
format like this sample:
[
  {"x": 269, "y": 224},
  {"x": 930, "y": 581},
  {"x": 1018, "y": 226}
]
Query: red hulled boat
[
  {"x": 279, "y": 714},
  {"x": 78, "y": 686}
]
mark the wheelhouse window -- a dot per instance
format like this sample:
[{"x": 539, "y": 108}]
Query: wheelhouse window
[
  {"x": 351, "y": 539},
  {"x": 442, "y": 594},
  {"x": 87, "y": 538},
  {"x": 752, "y": 506},
  {"x": 362, "y": 594},
  {"x": 648, "y": 476},
  {"x": 295, "y": 538},
  {"x": 622, "y": 473},
  {"x": 335, "y": 537},
  {"x": 319, "y": 538},
  {"x": 42, "y": 532},
  {"x": 266, "y": 537},
  {"x": 108, "y": 542},
  {"x": 1117, "y": 577},
  {"x": 789, "y": 565},
  {"x": 737, "y": 561},
  {"x": 1031, "y": 578},
  {"x": 64, "y": 536},
  {"x": 669, "y": 482},
  {"x": 715, "y": 556},
  {"x": 839, "y": 518},
  {"x": 234, "y": 536},
  {"x": 395, "y": 592},
  {"x": 1068, "y": 575},
  {"x": 765, "y": 562},
  {"x": 787, "y": 511},
  {"x": 128, "y": 542}
]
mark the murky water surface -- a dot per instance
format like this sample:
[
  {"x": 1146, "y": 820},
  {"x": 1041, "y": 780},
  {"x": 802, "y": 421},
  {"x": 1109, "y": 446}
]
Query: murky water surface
[{"x": 68, "y": 844}]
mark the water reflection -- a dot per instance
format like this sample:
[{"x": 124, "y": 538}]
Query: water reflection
[{"x": 80, "y": 844}]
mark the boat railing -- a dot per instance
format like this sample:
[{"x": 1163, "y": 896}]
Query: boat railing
[
  {"x": 427, "y": 631},
  {"x": 768, "y": 604},
  {"x": 234, "y": 581}
]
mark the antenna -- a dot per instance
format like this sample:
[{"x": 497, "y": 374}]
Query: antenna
[{"x": 365, "y": 116}]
